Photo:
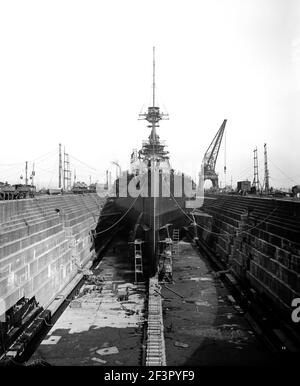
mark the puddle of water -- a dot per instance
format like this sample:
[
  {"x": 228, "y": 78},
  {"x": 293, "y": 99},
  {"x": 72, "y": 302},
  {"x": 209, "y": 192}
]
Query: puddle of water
[{"x": 201, "y": 278}]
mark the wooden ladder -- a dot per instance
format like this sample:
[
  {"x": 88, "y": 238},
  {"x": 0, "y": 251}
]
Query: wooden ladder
[
  {"x": 138, "y": 261},
  {"x": 176, "y": 242}
]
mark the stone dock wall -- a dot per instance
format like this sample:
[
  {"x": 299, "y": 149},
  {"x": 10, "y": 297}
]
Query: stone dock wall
[
  {"x": 259, "y": 239},
  {"x": 44, "y": 242}
]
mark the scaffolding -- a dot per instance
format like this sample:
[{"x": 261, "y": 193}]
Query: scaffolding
[
  {"x": 166, "y": 260},
  {"x": 267, "y": 177},
  {"x": 67, "y": 179},
  {"x": 255, "y": 179}
]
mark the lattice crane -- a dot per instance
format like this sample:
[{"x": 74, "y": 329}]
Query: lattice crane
[{"x": 211, "y": 155}]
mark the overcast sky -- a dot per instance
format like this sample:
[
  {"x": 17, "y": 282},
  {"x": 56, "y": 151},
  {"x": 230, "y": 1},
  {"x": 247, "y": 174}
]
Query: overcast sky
[{"x": 79, "y": 72}]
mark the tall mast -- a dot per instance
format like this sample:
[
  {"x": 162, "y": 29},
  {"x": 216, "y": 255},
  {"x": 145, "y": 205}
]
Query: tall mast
[
  {"x": 153, "y": 175},
  {"x": 153, "y": 114},
  {"x": 59, "y": 166},
  {"x": 26, "y": 171},
  {"x": 267, "y": 186},
  {"x": 153, "y": 84}
]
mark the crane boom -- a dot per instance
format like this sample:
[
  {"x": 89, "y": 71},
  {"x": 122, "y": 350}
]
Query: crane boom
[{"x": 211, "y": 155}]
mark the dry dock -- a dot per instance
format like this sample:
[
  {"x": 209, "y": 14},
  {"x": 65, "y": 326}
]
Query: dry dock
[
  {"x": 103, "y": 327},
  {"x": 64, "y": 307}
]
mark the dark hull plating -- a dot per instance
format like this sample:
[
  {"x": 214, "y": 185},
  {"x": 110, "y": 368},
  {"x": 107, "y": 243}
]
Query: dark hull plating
[{"x": 135, "y": 216}]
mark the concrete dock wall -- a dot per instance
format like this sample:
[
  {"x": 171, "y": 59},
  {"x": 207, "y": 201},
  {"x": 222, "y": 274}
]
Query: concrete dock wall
[
  {"x": 259, "y": 239},
  {"x": 44, "y": 242}
]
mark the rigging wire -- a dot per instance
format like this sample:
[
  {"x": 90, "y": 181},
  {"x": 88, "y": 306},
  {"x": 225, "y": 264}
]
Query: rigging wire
[
  {"x": 123, "y": 216},
  {"x": 53, "y": 172},
  {"x": 41, "y": 158},
  {"x": 44, "y": 170},
  {"x": 219, "y": 234},
  {"x": 14, "y": 164},
  {"x": 44, "y": 155},
  {"x": 120, "y": 219},
  {"x": 32, "y": 160},
  {"x": 88, "y": 166},
  {"x": 247, "y": 171},
  {"x": 291, "y": 179}
]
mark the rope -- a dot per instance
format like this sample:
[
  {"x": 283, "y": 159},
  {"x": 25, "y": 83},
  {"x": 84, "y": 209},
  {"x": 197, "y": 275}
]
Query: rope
[
  {"x": 121, "y": 218},
  {"x": 191, "y": 219},
  {"x": 291, "y": 179},
  {"x": 262, "y": 221},
  {"x": 218, "y": 234},
  {"x": 44, "y": 319},
  {"x": 85, "y": 164}
]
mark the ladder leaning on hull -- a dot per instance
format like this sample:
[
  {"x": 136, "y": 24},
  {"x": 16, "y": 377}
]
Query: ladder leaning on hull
[
  {"x": 138, "y": 260},
  {"x": 176, "y": 242}
]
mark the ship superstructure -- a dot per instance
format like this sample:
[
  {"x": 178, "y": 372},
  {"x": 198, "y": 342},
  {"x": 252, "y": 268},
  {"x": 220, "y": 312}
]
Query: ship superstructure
[{"x": 151, "y": 196}]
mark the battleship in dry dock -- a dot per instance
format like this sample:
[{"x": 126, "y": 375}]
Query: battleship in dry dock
[
  {"x": 48, "y": 259},
  {"x": 151, "y": 199}
]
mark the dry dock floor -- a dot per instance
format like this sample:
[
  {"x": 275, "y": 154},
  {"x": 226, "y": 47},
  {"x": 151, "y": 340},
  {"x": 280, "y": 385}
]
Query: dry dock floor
[
  {"x": 202, "y": 327},
  {"x": 100, "y": 328},
  {"x": 205, "y": 327}
]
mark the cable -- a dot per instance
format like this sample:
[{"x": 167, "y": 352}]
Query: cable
[
  {"x": 191, "y": 219},
  {"x": 18, "y": 163},
  {"x": 11, "y": 168},
  {"x": 218, "y": 234},
  {"x": 44, "y": 170},
  {"x": 257, "y": 225},
  {"x": 243, "y": 172},
  {"x": 54, "y": 170},
  {"x": 44, "y": 155},
  {"x": 120, "y": 219},
  {"x": 44, "y": 319},
  {"x": 22, "y": 163},
  {"x": 291, "y": 179},
  {"x": 107, "y": 229},
  {"x": 90, "y": 167},
  {"x": 42, "y": 158}
]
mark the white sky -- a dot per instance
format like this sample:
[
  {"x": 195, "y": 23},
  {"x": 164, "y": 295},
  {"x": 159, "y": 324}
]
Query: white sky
[{"x": 78, "y": 72}]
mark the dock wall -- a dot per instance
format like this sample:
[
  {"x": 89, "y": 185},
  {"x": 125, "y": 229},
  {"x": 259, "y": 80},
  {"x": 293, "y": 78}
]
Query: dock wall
[
  {"x": 259, "y": 239},
  {"x": 44, "y": 242}
]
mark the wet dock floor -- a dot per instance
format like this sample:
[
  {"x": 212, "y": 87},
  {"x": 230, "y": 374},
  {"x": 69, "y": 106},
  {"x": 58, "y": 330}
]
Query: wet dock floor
[{"x": 205, "y": 327}]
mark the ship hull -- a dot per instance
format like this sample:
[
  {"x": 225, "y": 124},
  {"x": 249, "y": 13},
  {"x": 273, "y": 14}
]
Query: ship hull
[{"x": 150, "y": 219}]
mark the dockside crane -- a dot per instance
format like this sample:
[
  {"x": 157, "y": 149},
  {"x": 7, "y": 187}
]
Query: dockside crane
[{"x": 211, "y": 155}]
